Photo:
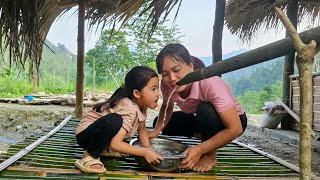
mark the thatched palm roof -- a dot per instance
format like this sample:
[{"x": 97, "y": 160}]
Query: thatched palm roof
[
  {"x": 245, "y": 17},
  {"x": 24, "y": 24}
]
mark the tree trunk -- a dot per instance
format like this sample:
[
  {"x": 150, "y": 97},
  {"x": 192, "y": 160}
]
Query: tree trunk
[
  {"x": 305, "y": 58},
  {"x": 80, "y": 60},
  {"x": 94, "y": 73},
  {"x": 35, "y": 79},
  {"x": 305, "y": 80},
  {"x": 217, "y": 31},
  {"x": 288, "y": 63},
  {"x": 259, "y": 55}
]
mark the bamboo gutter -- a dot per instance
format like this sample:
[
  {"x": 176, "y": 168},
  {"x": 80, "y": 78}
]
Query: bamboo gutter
[
  {"x": 54, "y": 159},
  {"x": 259, "y": 55}
]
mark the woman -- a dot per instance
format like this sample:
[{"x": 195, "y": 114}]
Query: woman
[{"x": 209, "y": 110}]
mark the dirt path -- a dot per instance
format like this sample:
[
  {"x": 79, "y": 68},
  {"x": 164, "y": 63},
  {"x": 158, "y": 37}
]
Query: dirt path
[
  {"x": 18, "y": 121},
  {"x": 253, "y": 137}
]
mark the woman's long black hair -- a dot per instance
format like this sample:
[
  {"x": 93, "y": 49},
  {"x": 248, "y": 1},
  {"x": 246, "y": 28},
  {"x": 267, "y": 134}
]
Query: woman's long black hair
[
  {"x": 179, "y": 53},
  {"x": 137, "y": 78}
]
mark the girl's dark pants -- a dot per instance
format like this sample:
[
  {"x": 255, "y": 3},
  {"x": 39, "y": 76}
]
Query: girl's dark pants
[
  {"x": 206, "y": 122},
  {"x": 98, "y": 135}
]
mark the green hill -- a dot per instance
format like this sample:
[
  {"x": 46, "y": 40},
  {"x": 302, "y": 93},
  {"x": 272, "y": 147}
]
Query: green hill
[{"x": 58, "y": 64}]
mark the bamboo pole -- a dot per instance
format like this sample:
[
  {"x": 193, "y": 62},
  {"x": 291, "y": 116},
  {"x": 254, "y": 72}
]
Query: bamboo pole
[
  {"x": 140, "y": 174},
  {"x": 27, "y": 149},
  {"x": 256, "y": 56},
  {"x": 305, "y": 58}
]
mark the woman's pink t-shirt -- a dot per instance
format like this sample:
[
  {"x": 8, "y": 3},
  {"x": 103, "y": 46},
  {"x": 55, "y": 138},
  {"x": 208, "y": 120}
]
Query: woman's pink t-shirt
[{"x": 213, "y": 90}]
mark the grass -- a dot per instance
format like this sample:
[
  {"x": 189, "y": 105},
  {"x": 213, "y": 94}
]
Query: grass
[{"x": 12, "y": 86}]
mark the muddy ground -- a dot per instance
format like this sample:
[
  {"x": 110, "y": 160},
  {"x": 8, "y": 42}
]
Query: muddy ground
[{"x": 18, "y": 121}]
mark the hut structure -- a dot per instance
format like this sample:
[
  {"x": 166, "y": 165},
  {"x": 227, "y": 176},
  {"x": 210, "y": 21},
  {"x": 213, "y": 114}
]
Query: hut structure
[
  {"x": 24, "y": 26},
  {"x": 246, "y": 18}
]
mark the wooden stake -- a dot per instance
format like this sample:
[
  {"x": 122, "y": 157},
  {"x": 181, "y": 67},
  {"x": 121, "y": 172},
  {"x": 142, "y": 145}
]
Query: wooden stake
[{"x": 305, "y": 58}]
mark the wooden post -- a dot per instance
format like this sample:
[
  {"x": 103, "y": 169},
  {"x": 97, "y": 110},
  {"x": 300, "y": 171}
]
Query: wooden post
[
  {"x": 288, "y": 63},
  {"x": 94, "y": 73},
  {"x": 68, "y": 78},
  {"x": 54, "y": 78},
  {"x": 217, "y": 31},
  {"x": 35, "y": 78},
  {"x": 80, "y": 60},
  {"x": 305, "y": 58},
  {"x": 25, "y": 80}
]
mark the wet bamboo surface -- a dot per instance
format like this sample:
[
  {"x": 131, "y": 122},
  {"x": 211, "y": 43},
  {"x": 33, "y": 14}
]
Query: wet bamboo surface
[{"x": 55, "y": 157}]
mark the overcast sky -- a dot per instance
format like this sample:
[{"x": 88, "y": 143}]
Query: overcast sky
[{"x": 195, "y": 20}]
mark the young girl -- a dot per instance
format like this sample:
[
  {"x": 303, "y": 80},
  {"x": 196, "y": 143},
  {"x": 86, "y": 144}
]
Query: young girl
[
  {"x": 208, "y": 109},
  {"x": 108, "y": 123}
]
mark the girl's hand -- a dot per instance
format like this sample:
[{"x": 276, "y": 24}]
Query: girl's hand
[
  {"x": 193, "y": 155},
  {"x": 152, "y": 157},
  {"x": 153, "y": 133}
]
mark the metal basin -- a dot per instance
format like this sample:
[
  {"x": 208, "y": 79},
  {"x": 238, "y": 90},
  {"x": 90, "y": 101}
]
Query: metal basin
[{"x": 171, "y": 150}]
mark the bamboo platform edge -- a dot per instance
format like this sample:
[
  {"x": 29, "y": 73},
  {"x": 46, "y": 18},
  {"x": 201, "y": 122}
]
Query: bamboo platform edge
[
  {"x": 279, "y": 160},
  {"x": 27, "y": 149}
]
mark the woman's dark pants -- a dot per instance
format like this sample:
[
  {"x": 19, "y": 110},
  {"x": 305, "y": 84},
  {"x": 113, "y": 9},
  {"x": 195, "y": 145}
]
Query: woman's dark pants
[{"x": 206, "y": 122}]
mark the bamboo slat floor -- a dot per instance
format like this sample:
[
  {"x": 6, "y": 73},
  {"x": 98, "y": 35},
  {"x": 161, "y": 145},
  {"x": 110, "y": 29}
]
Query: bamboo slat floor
[{"x": 55, "y": 157}]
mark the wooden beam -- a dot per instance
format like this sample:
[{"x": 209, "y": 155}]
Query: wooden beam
[
  {"x": 256, "y": 56},
  {"x": 138, "y": 173},
  {"x": 46, "y": 170},
  {"x": 70, "y": 3}
]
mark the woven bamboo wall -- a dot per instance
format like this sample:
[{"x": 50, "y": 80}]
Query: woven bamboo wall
[{"x": 295, "y": 99}]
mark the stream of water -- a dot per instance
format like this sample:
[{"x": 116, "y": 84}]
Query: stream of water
[{"x": 165, "y": 111}]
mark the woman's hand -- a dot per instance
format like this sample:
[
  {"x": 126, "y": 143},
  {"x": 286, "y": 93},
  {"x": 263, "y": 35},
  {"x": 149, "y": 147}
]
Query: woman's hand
[
  {"x": 154, "y": 133},
  {"x": 152, "y": 157},
  {"x": 193, "y": 155}
]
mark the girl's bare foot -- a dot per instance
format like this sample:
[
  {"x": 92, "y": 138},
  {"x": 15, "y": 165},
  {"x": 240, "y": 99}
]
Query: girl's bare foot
[{"x": 206, "y": 162}]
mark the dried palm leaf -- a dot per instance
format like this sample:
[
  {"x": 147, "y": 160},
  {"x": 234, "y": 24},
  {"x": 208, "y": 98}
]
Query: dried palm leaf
[
  {"x": 245, "y": 17},
  {"x": 24, "y": 24}
]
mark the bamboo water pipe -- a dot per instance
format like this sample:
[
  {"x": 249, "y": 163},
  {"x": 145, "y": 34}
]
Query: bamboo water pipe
[{"x": 259, "y": 55}]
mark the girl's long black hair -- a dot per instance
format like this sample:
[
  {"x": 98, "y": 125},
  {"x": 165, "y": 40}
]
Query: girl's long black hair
[{"x": 137, "y": 78}]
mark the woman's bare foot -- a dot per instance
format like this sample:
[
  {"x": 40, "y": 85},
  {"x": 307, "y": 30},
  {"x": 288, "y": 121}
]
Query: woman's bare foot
[
  {"x": 206, "y": 162},
  {"x": 93, "y": 166}
]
